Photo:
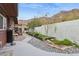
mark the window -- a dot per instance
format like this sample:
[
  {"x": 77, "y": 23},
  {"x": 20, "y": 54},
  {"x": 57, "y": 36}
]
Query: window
[{"x": 3, "y": 24}]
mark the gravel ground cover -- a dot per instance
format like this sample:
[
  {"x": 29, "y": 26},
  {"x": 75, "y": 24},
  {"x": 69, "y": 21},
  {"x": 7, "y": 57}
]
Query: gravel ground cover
[{"x": 44, "y": 46}]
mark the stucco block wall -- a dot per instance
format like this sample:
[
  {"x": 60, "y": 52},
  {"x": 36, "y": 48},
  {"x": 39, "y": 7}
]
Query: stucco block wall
[{"x": 68, "y": 29}]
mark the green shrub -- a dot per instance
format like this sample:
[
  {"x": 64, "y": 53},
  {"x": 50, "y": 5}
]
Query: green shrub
[
  {"x": 42, "y": 37},
  {"x": 49, "y": 38},
  {"x": 58, "y": 42},
  {"x": 67, "y": 42},
  {"x": 35, "y": 34},
  {"x": 76, "y": 45},
  {"x": 62, "y": 42}
]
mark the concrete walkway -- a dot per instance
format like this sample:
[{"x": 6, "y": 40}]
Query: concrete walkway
[{"x": 23, "y": 48}]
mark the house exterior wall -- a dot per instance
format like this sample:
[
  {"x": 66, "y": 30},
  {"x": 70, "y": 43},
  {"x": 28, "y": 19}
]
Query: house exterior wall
[
  {"x": 3, "y": 37},
  {"x": 3, "y": 33},
  {"x": 9, "y": 11}
]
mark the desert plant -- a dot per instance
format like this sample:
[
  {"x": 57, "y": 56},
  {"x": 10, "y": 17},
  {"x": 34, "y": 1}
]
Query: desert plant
[
  {"x": 62, "y": 42},
  {"x": 54, "y": 40},
  {"x": 66, "y": 42},
  {"x": 76, "y": 45}
]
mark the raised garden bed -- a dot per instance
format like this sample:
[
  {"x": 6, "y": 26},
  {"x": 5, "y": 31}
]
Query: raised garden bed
[
  {"x": 53, "y": 42},
  {"x": 60, "y": 47},
  {"x": 40, "y": 36}
]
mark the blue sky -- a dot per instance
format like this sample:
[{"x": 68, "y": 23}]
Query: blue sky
[{"x": 31, "y": 10}]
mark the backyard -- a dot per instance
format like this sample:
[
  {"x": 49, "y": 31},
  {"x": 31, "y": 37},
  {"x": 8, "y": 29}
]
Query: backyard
[
  {"x": 31, "y": 46},
  {"x": 39, "y": 29}
]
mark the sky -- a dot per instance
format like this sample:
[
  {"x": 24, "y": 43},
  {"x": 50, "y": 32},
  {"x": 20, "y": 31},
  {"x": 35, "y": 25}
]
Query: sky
[{"x": 31, "y": 10}]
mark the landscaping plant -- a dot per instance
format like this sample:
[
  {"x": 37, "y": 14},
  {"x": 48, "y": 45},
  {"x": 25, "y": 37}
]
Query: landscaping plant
[{"x": 65, "y": 42}]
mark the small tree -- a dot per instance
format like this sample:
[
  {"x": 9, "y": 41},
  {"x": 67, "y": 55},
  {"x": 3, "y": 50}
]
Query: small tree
[
  {"x": 34, "y": 23},
  {"x": 46, "y": 27}
]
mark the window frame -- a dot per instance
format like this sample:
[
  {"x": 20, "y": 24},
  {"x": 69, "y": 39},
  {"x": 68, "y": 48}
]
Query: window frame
[{"x": 4, "y": 22}]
